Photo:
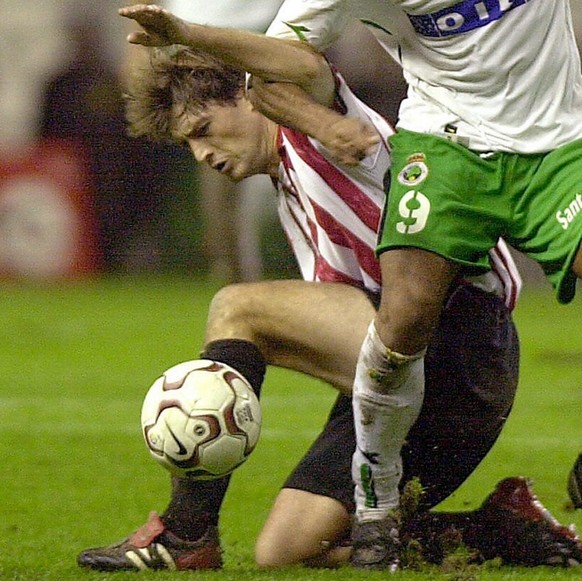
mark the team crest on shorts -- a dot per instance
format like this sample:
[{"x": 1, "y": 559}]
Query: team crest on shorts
[{"x": 415, "y": 171}]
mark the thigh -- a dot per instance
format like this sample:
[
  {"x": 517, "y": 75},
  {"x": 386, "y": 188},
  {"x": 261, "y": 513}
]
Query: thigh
[{"x": 314, "y": 328}]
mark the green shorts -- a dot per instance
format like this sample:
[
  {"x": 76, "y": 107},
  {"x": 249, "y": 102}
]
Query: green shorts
[{"x": 456, "y": 202}]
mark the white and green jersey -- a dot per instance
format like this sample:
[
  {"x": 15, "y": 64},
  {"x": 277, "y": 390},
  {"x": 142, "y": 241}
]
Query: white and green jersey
[{"x": 494, "y": 74}]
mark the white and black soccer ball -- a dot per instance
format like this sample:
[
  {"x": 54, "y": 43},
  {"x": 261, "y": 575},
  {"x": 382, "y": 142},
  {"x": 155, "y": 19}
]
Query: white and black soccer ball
[{"x": 201, "y": 419}]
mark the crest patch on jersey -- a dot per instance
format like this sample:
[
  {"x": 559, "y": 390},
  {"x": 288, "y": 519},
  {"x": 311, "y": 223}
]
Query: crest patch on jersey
[{"x": 415, "y": 171}]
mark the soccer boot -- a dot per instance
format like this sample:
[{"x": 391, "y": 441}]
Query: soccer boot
[
  {"x": 520, "y": 530},
  {"x": 152, "y": 546},
  {"x": 575, "y": 483},
  {"x": 376, "y": 545}
]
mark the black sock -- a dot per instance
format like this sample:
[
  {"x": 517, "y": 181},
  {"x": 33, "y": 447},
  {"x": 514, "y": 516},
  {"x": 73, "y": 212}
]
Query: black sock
[
  {"x": 243, "y": 356},
  {"x": 195, "y": 504}
]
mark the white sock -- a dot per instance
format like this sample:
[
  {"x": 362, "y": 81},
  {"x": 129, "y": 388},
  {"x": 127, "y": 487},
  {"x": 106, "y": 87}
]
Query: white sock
[{"x": 387, "y": 397}]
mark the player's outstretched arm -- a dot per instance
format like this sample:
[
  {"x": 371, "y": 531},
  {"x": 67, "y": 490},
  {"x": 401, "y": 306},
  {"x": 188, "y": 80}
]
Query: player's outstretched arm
[
  {"x": 272, "y": 59},
  {"x": 290, "y": 77},
  {"x": 348, "y": 139}
]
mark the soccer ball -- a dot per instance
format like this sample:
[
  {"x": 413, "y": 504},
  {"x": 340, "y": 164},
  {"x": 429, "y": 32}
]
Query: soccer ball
[{"x": 201, "y": 419}]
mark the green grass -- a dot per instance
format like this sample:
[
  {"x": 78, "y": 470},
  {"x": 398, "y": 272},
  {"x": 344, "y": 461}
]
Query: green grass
[{"x": 76, "y": 360}]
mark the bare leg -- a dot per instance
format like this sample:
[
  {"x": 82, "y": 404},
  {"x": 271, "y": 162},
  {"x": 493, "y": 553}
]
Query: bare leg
[
  {"x": 232, "y": 214},
  {"x": 285, "y": 323},
  {"x": 315, "y": 328},
  {"x": 388, "y": 394},
  {"x": 303, "y": 527},
  {"x": 415, "y": 285}
]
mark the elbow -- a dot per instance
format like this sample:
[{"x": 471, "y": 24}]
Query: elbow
[{"x": 314, "y": 71}]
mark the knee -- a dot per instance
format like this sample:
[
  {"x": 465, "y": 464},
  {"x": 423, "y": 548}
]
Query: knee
[
  {"x": 272, "y": 555},
  {"x": 231, "y": 305},
  {"x": 279, "y": 546},
  {"x": 415, "y": 286},
  {"x": 303, "y": 528},
  {"x": 405, "y": 322}
]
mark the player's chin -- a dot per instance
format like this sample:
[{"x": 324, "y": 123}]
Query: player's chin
[{"x": 240, "y": 171}]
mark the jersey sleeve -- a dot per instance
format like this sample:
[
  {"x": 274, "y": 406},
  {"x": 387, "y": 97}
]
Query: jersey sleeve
[
  {"x": 321, "y": 22},
  {"x": 226, "y": 13}
]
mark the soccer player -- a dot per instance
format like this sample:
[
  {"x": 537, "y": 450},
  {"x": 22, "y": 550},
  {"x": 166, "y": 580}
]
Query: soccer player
[
  {"x": 330, "y": 212},
  {"x": 489, "y": 144}
]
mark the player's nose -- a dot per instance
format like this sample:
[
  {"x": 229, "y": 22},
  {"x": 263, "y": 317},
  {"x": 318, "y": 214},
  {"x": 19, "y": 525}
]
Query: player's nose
[{"x": 201, "y": 151}]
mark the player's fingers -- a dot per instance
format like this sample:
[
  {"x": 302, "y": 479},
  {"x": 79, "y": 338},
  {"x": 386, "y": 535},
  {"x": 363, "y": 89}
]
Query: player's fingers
[
  {"x": 364, "y": 147},
  {"x": 131, "y": 11},
  {"x": 351, "y": 159},
  {"x": 354, "y": 152},
  {"x": 140, "y": 38},
  {"x": 125, "y": 10}
]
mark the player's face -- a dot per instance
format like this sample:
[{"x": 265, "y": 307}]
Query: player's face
[{"x": 234, "y": 140}]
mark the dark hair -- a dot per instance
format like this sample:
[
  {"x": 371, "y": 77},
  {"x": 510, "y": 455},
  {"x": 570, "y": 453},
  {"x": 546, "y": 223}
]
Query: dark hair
[{"x": 177, "y": 80}]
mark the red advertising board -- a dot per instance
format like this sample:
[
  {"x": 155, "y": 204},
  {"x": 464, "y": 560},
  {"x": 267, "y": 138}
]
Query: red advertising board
[{"x": 47, "y": 227}]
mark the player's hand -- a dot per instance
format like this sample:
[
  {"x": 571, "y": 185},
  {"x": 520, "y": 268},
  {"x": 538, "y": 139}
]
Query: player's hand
[
  {"x": 160, "y": 27},
  {"x": 348, "y": 139}
]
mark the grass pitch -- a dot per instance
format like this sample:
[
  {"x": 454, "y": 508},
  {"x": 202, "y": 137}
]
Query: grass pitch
[{"x": 77, "y": 360}]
